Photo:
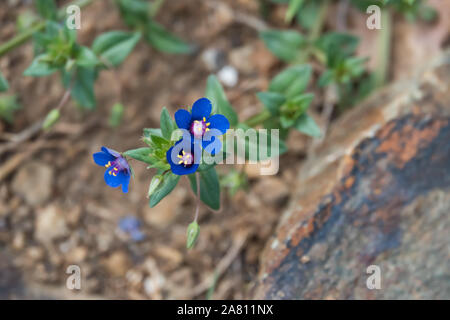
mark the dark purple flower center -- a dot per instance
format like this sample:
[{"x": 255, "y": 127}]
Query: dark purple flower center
[
  {"x": 199, "y": 127},
  {"x": 119, "y": 164}
]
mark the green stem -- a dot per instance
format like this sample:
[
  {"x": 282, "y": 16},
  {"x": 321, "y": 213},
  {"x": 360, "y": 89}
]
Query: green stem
[
  {"x": 384, "y": 48},
  {"x": 315, "y": 31},
  {"x": 24, "y": 36}
]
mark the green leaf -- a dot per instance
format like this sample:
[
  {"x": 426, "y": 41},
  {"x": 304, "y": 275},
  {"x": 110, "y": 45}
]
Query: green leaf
[
  {"x": 325, "y": 78},
  {"x": 167, "y": 124},
  {"x": 337, "y": 46},
  {"x": 308, "y": 14},
  {"x": 192, "y": 233},
  {"x": 169, "y": 182},
  {"x": 4, "y": 86},
  {"x": 159, "y": 141},
  {"x": 307, "y": 125},
  {"x": 291, "y": 81},
  {"x": 40, "y": 67},
  {"x": 165, "y": 41},
  {"x": 272, "y": 101},
  {"x": 156, "y": 181},
  {"x": 113, "y": 47},
  {"x": 47, "y": 9},
  {"x": 8, "y": 105},
  {"x": 82, "y": 89},
  {"x": 152, "y": 131},
  {"x": 51, "y": 118},
  {"x": 141, "y": 154},
  {"x": 294, "y": 6},
  {"x": 209, "y": 187},
  {"x": 134, "y": 12},
  {"x": 216, "y": 94},
  {"x": 285, "y": 44},
  {"x": 85, "y": 57}
]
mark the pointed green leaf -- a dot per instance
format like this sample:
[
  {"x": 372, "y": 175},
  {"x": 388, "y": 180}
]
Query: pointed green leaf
[
  {"x": 167, "y": 124},
  {"x": 307, "y": 125},
  {"x": 272, "y": 101},
  {"x": 169, "y": 182},
  {"x": 113, "y": 47},
  {"x": 165, "y": 41},
  {"x": 291, "y": 81},
  {"x": 40, "y": 67},
  {"x": 141, "y": 154},
  {"x": 285, "y": 44}
]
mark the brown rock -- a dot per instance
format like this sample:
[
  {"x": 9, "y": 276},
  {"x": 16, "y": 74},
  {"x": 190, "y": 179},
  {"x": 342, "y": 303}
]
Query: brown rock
[
  {"x": 117, "y": 264},
  {"x": 50, "y": 224},
  {"x": 34, "y": 183},
  {"x": 378, "y": 193}
]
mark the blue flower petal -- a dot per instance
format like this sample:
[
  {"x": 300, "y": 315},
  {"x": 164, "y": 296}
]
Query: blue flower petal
[
  {"x": 127, "y": 224},
  {"x": 112, "y": 181},
  {"x": 219, "y": 122},
  {"x": 112, "y": 152},
  {"x": 183, "y": 119},
  {"x": 102, "y": 158},
  {"x": 169, "y": 156},
  {"x": 213, "y": 146},
  {"x": 182, "y": 170},
  {"x": 201, "y": 108},
  {"x": 137, "y": 235},
  {"x": 124, "y": 180}
]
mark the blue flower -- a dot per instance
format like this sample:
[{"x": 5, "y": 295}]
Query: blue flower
[
  {"x": 118, "y": 171},
  {"x": 184, "y": 157},
  {"x": 131, "y": 226},
  {"x": 201, "y": 124}
]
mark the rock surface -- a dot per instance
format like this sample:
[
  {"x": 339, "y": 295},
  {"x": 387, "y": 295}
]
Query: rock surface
[
  {"x": 34, "y": 183},
  {"x": 376, "y": 193}
]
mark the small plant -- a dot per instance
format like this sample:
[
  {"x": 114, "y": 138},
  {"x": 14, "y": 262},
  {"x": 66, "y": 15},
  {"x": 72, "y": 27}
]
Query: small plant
[{"x": 199, "y": 138}]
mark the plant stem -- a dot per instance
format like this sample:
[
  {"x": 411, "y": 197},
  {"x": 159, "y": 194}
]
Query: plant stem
[
  {"x": 258, "y": 118},
  {"x": 197, "y": 206},
  {"x": 384, "y": 47},
  {"x": 26, "y": 35},
  {"x": 315, "y": 31}
]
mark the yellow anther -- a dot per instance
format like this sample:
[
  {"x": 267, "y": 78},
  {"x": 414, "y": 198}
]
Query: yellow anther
[
  {"x": 183, "y": 152},
  {"x": 208, "y": 124},
  {"x": 114, "y": 174},
  {"x": 180, "y": 156},
  {"x": 180, "y": 162},
  {"x": 115, "y": 169},
  {"x": 204, "y": 119},
  {"x": 207, "y": 129},
  {"x": 108, "y": 164}
]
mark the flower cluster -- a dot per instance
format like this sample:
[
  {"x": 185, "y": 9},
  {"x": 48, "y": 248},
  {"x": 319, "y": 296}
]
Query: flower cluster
[
  {"x": 200, "y": 131},
  {"x": 200, "y": 128}
]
